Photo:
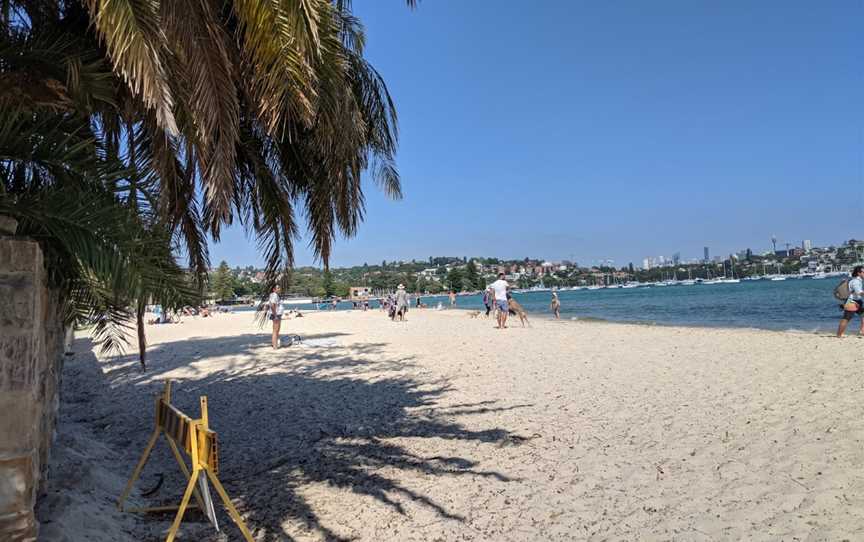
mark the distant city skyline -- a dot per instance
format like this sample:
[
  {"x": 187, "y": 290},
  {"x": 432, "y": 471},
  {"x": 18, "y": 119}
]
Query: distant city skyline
[
  {"x": 627, "y": 132},
  {"x": 644, "y": 262}
]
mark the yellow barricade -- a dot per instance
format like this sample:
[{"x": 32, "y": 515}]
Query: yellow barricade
[{"x": 199, "y": 443}]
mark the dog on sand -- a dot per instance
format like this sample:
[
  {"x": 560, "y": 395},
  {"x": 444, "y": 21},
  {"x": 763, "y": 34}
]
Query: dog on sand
[{"x": 517, "y": 310}]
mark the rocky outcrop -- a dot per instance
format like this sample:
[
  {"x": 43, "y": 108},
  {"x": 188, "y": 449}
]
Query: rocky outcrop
[{"x": 31, "y": 357}]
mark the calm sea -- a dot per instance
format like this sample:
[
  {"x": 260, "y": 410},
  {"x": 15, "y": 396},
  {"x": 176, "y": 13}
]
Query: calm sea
[{"x": 794, "y": 304}]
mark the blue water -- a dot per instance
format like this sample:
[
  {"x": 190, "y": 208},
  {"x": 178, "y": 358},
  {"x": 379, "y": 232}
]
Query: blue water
[
  {"x": 803, "y": 304},
  {"x": 795, "y": 304}
]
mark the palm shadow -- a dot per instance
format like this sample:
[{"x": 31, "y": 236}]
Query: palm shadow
[{"x": 329, "y": 415}]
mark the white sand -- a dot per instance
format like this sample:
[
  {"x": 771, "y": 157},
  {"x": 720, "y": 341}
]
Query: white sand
[{"x": 443, "y": 428}]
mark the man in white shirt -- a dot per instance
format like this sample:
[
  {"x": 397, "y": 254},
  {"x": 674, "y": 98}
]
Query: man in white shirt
[
  {"x": 499, "y": 287},
  {"x": 856, "y": 296},
  {"x": 276, "y": 310}
]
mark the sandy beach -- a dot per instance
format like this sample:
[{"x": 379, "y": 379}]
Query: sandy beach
[{"x": 443, "y": 428}]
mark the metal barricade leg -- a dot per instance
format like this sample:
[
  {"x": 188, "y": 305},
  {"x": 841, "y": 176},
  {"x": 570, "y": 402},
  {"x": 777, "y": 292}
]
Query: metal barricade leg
[
  {"x": 230, "y": 506},
  {"x": 182, "y": 464},
  {"x": 137, "y": 472},
  {"x": 183, "y": 504}
]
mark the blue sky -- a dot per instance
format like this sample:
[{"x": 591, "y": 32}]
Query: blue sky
[{"x": 612, "y": 130}]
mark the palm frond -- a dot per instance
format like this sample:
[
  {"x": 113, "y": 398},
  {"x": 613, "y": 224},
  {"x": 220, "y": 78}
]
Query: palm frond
[
  {"x": 277, "y": 56},
  {"x": 131, "y": 32},
  {"x": 202, "y": 45},
  {"x": 101, "y": 255}
]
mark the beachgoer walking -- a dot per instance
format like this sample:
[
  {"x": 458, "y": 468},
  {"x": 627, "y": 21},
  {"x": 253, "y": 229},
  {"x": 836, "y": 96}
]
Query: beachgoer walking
[
  {"x": 488, "y": 300},
  {"x": 276, "y": 310},
  {"x": 401, "y": 302},
  {"x": 556, "y": 306},
  {"x": 855, "y": 301},
  {"x": 499, "y": 287},
  {"x": 452, "y": 298}
]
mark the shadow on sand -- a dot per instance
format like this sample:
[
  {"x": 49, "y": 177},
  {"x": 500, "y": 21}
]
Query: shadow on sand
[{"x": 337, "y": 415}]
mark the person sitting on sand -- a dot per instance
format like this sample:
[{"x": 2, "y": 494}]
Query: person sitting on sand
[
  {"x": 855, "y": 302},
  {"x": 499, "y": 287},
  {"x": 275, "y": 307},
  {"x": 556, "y": 306}
]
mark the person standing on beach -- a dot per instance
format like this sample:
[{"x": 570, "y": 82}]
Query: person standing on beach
[
  {"x": 276, "y": 310},
  {"x": 499, "y": 287},
  {"x": 556, "y": 306},
  {"x": 452, "y": 298},
  {"x": 855, "y": 301},
  {"x": 488, "y": 296},
  {"x": 401, "y": 303}
]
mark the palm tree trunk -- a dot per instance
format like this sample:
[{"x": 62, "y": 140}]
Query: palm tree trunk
[{"x": 142, "y": 340}]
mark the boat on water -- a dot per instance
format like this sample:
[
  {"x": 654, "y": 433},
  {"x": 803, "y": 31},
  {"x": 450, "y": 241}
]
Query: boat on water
[
  {"x": 539, "y": 288},
  {"x": 689, "y": 281},
  {"x": 732, "y": 279},
  {"x": 778, "y": 277}
]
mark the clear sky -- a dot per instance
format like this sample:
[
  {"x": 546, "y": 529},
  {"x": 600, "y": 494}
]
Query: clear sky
[{"x": 612, "y": 130}]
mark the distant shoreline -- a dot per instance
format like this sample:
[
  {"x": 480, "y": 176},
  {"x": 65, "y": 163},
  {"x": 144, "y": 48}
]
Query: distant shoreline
[{"x": 597, "y": 320}]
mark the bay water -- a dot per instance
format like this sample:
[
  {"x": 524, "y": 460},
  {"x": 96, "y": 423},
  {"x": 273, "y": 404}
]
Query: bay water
[{"x": 793, "y": 304}]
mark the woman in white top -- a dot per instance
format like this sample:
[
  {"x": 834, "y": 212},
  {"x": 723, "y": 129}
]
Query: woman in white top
[{"x": 276, "y": 309}]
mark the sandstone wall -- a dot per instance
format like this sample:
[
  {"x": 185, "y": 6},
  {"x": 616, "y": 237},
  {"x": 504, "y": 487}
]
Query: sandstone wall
[{"x": 31, "y": 341}]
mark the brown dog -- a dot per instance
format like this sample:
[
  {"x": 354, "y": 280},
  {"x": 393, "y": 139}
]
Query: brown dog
[
  {"x": 517, "y": 310},
  {"x": 473, "y": 314}
]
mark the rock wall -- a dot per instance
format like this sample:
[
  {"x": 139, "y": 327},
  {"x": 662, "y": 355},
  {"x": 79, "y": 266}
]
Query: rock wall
[{"x": 31, "y": 357}]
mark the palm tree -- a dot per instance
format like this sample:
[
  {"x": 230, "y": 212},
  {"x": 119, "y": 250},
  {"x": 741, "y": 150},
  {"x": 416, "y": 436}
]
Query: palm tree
[
  {"x": 265, "y": 106},
  {"x": 191, "y": 116}
]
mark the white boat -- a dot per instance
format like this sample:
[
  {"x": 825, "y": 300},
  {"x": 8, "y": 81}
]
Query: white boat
[
  {"x": 732, "y": 279},
  {"x": 687, "y": 282},
  {"x": 778, "y": 278},
  {"x": 296, "y": 300}
]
